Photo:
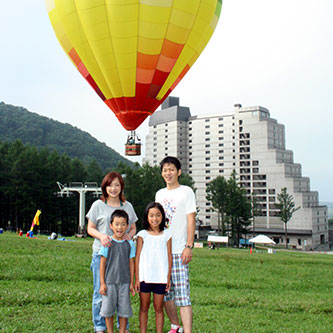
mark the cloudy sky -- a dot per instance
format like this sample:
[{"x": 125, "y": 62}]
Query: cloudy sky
[{"x": 273, "y": 53}]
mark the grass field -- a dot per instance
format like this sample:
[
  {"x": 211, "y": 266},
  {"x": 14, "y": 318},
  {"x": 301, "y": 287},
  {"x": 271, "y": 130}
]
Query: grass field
[{"x": 46, "y": 286}]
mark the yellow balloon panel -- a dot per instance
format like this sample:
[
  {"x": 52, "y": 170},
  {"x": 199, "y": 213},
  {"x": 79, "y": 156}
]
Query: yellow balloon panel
[{"x": 133, "y": 52}]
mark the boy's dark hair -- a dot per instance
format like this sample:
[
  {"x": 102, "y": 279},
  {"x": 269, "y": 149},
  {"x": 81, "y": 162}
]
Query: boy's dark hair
[
  {"x": 157, "y": 205},
  {"x": 119, "y": 213},
  {"x": 171, "y": 160}
]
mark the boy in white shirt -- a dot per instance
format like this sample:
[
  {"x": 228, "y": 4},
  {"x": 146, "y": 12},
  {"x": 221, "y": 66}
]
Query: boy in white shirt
[{"x": 179, "y": 205}]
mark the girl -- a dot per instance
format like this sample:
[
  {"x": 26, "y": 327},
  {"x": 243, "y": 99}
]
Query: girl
[
  {"x": 99, "y": 227},
  {"x": 153, "y": 264}
]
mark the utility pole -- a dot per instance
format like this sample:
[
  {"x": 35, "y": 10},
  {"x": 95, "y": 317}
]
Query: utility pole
[{"x": 82, "y": 189}]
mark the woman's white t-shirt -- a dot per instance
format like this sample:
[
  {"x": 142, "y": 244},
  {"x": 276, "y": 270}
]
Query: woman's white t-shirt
[{"x": 153, "y": 264}]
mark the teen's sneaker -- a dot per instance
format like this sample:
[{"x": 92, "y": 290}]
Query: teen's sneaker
[{"x": 176, "y": 329}]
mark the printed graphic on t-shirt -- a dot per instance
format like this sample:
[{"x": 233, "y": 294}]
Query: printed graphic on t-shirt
[{"x": 169, "y": 209}]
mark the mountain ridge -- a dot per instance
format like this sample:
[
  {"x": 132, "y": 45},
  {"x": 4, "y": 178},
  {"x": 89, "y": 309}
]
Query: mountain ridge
[{"x": 17, "y": 122}]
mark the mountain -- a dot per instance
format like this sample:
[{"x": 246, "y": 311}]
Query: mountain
[{"x": 31, "y": 128}]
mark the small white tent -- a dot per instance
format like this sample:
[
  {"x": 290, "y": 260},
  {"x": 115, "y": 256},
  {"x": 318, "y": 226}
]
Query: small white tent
[{"x": 261, "y": 239}]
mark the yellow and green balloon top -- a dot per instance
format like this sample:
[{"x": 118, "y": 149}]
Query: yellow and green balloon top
[{"x": 133, "y": 52}]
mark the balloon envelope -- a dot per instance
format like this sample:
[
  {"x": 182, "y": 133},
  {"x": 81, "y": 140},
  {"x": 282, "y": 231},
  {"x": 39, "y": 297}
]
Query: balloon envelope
[{"x": 133, "y": 52}]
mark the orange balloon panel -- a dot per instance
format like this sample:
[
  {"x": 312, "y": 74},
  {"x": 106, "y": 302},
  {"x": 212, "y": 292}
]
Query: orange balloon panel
[{"x": 133, "y": 52}]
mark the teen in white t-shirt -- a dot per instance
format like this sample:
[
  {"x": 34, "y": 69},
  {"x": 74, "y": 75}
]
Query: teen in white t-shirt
[{"x": 179, "y": 205}]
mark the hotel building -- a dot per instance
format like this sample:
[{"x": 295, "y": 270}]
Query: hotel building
[{"x": 252, "y": 143}]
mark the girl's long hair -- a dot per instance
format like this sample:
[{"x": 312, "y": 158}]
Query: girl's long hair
[{"x": 157, "y": 205}]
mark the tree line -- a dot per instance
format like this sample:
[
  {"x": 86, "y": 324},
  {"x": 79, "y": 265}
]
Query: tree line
[
  {"x": 29, "y": 176},
  {"x": 28, "y": 181}
]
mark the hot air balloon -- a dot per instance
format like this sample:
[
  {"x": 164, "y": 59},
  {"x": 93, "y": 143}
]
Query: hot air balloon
[{"x": 133, "y": 53}]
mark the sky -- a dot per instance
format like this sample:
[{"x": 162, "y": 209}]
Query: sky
[{"x": 274, "y": 53}]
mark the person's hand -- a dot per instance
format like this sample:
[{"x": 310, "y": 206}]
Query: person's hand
[
  {"x": 137, "y": 286},
  {"x": 186, "y": 255},
  {"x": 132, "y": 290},
  {"x": 103, "y": 289},
  {"x": 105, "y": 240},
  {"x": 168, "y": 285},
  {"x": 127, "y": 237}
]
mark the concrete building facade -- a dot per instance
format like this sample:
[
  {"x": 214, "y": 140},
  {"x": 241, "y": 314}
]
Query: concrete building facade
[{"x": 252, "y": 143}]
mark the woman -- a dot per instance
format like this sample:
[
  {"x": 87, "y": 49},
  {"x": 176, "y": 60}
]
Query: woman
[{"x": 99, "y": 227}]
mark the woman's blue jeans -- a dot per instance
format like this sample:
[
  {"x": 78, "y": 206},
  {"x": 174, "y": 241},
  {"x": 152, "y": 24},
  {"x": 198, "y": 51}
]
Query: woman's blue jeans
[{"x": 98, "y": 321}]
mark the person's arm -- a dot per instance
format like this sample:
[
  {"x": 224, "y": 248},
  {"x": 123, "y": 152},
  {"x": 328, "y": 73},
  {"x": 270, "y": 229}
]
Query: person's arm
[
  {"x": 103, "y": 288},
  {"x": 93, "y": 232},
  {"x": 139, "y": 244},
  {"x": 187, "y": 252},
  {"x": 131, "y": 263},
  {"x": 131, "y": 233},
  {"x": 169, "y": 249}
]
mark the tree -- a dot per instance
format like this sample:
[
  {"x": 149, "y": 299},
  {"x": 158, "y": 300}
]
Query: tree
[
  {"x": 238, "y": 209},
  {"x": 287, "y": 208},
  {"x": 217, "y": 193}
]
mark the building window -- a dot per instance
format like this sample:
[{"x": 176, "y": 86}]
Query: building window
[
  {"x": 207, "y": 139},
  {"x": 220, "y": 119},
  {"x": 166, "y": 125},
  {"x": 221, "y": 132},
  {"x": 207, "y": 126},
  {"x": 221, "y": 171},
  {"x": 207, "y": 133},
  {"x": 207, "y": 171},
  {"x": 207, "y": 158},
  {"x": 207, "y": 146},
  {"x": 221, "y": 144},
  {"x": 207, "y": 152},
  {"x": 221, "y": 164},
  {"x": 206, "y": 120},
  {"x": 221, "y": 138},
  {"x": 221, "y": 151},
  {"x": 220, "y": 125},
  {"x": 208, "y": 178},
  {"x": 207, "y": 165}
]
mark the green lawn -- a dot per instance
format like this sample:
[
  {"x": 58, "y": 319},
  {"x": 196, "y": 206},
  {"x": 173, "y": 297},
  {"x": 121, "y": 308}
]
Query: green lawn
[{"x": 46, "y": 286}]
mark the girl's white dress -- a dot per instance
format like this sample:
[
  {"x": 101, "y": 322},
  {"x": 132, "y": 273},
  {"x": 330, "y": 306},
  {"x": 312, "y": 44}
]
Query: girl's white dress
[{"x": 153, "y": 264}]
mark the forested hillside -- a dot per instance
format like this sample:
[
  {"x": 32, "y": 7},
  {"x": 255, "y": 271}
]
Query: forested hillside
[{"x": 31, "y": 128}]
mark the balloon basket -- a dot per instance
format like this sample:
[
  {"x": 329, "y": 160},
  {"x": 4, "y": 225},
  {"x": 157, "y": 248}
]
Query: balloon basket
[
  {"x": 133, "y": 145},
  {"x": 133, "y": 149}
]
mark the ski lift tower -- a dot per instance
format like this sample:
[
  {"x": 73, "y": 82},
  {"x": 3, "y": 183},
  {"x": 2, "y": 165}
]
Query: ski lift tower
[{"x": 82, "y": 189}]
